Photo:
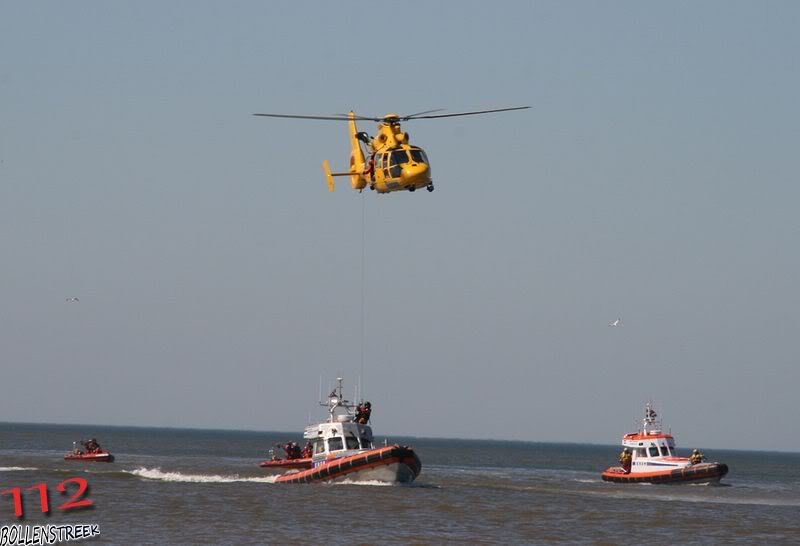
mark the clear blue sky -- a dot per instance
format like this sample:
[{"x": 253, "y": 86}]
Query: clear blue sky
[{"x": 655, "y": 179}]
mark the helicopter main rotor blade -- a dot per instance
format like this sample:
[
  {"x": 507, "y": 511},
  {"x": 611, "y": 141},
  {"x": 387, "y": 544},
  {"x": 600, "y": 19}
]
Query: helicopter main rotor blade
[
  {"x": 292, "y": 116},
  {"x": 418, "y": 116},
  {"x": 409, "y": 116},
  {"x": 333, "y": 117}
]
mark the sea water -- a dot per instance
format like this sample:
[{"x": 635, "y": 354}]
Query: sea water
[{"x": 177, "y": 486}]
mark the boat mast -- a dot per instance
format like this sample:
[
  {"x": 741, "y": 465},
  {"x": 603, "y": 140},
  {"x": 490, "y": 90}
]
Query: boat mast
[
  {"x": 336, "y": 401},
  {"x": 650, "y": 423}
]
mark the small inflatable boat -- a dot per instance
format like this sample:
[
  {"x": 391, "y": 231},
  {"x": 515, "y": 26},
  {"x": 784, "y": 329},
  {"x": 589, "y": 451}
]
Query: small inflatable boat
[
  {"x": 283, "y": 465},
  {"x": 98, "y": 457}
]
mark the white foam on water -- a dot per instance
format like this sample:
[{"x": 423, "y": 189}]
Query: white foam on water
[
  {"x": 690, "y": 493},
  {"x": 374, "y": 483},
  {"x": 158, "y": 474},
  {"x": 15, "y": 468}
]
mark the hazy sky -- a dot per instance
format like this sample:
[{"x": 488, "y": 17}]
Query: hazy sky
[{"x": 654, "y": 179}]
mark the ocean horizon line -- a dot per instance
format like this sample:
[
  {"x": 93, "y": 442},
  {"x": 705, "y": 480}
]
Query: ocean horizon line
[{"x": 399, "y": 436}]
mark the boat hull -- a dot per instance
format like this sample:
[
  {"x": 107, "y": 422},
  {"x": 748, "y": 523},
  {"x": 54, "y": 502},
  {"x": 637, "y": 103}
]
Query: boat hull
[
  {"x": 284, "y": 465},
  {"x": 103, "y": 457},
  {"x": 391, "y": 464},
  {"x": 699, "y": 473}
]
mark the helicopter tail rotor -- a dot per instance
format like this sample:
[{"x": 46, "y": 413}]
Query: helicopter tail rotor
[{"x": 326, "y": 167}]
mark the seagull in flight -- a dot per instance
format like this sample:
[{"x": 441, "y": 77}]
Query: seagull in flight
[
  {"x": 72, "y": 300},
  {"x": 617, "y": 322}
]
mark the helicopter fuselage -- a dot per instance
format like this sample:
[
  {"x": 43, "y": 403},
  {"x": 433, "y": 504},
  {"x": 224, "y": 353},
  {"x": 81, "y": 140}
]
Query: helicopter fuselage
[
  {"x": 402, "y": 168},
  {"x": 389, "y": 162}
]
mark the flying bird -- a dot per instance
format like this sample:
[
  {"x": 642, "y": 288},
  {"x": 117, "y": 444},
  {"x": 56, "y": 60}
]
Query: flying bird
[
  {"x": 617, "y": 322},
  {"x": 73, "y": 299}
]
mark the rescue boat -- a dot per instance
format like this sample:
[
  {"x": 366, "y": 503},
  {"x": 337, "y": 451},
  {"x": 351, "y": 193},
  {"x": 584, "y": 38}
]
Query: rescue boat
[
  {"x": 343, "y": 450},
  {"x": 275, "y": 464},
  {"x": 97, "y": 454},
  {"x": 102, "y": 457},
  {"x": 653, "y": 459}
]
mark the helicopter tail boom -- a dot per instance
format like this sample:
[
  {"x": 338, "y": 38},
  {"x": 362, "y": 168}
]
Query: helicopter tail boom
[{"x": 357, "y": 161}]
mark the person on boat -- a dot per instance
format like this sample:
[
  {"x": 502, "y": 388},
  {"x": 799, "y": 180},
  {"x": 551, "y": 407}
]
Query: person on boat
[
  {"x": 92, "y": 446},
  {"x": 696, "y": 457},
  {"x": 625, "y": 459},
  {"x": 297, "y": 453},
  {"x": 363, "y": 412},
  {"x": 308, "y": 450},
  {"x": 292, "y": 450}
]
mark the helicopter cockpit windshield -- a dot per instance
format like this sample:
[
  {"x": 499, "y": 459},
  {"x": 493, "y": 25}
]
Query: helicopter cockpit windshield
[
  {"x": 391, "y": 162},
  {"x": 398, "y": 157},
  {"x": 418, "y": 156}
]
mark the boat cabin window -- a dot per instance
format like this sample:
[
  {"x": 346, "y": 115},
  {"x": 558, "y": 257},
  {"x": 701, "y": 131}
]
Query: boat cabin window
[
  {"x": 418, "y": 155},
  {"x": 352, "y": 442},
  {"x": 653, "y": 451},
  {"x": 664, "y": 451},
  {"x": 366, "y": 443},
  {"x": 335, "y": 444},
  {"x": 319, "y": 446},
  {"x": 641, "y": 452}
]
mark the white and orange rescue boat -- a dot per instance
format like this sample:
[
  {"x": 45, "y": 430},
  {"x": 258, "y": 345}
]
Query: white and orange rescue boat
[{"x": 653, "y": 459}]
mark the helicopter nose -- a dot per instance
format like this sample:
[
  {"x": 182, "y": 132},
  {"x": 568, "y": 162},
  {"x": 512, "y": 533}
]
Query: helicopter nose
[{"x": 417, "y": 174}]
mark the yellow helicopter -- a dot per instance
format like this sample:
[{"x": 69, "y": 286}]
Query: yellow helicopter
[{"x": 390, "y": 163}]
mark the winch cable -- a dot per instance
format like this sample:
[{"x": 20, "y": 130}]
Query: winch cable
[{"x": 363, "y": 280}]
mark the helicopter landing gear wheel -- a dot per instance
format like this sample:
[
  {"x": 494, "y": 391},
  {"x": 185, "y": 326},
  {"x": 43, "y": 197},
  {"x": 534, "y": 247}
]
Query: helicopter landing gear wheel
[
  {"x": 412, "y": 188},
  {"x": 430, "y": 187}
]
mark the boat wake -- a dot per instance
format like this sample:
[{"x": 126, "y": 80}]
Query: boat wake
[
  {"x": 16, "y": 468},
  {"x": 374, "y": 483},
  {"x": 158, "y": 474}
]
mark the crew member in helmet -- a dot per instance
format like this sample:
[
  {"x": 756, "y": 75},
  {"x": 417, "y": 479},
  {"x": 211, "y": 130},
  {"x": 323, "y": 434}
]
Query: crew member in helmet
[
  {"x": 292, "y": 450},
  {"x": 363, "y": 411},
  {"x": 92, "y": 446},
  {"x": 696, "y": 457},
  {"x": 625, "y": 459}
]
